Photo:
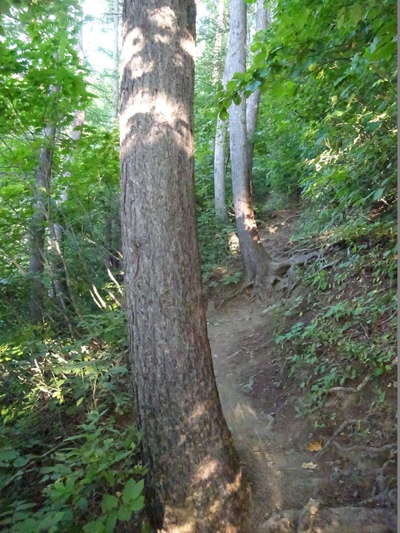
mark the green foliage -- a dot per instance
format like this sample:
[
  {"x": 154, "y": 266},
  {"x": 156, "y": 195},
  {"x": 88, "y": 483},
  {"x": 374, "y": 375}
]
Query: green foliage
[
  {"x": 95, "y": 461},
  {"x": 68, "y": 447},
  {"x": 348, "y": 336},
  {"x": 327, "y": 122},
  {"x": 66, "y": 461}
]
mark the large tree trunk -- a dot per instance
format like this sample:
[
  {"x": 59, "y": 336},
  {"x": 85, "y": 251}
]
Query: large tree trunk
[
  {"x": 256, "y": 261},
  {"x": 195, "y": 482},
  {"x": 37, "y": 230},
  {"x": 254, "y": 99}
]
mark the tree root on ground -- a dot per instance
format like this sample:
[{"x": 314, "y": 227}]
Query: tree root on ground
[{"x": 314, "y": 519}]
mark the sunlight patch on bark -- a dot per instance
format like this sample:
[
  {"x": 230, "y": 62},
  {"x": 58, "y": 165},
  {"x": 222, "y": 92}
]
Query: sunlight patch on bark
[
  {"x": 233, "y": 243},
  {"x": 198, "y": 412},
  {"x": 163, "y": 111},
  {"x": 133, "y": 44},
  {"x": 188, "y": 45},
  {"x": 163, "y": 17},
  {"x": 206, "y": 469}
]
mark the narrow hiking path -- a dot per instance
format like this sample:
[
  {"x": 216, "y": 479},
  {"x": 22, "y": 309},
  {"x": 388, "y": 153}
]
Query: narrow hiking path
[
  {"x": 248, "y": 378},
  {"x": 274, "y": 445},
  {"x": 275, "y": 464}
]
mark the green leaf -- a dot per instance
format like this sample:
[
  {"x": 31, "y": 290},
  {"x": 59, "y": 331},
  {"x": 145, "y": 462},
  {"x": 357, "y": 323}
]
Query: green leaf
[
  {"x": 132, "y": 490},
  {"x": 356, "y": 13},
  {"x": 94, "y": 526},
  {"x": 138, "y": 504},
  {"x": 124, "y": 512},
  {"x": 110, "y": 522},
  {"x": 224, "y": 114},
  {"x": 109, "y": 502},
  {"x": 236, "y": 99}
]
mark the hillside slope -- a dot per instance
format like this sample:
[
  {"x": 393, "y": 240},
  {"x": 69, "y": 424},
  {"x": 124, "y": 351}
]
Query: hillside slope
[{"x": 314, "y": 429}]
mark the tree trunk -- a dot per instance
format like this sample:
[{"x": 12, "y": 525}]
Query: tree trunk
[
  {"x": 221, "y": 126},
  {"x": 39, "y": 223},
  {"x": 56, "y": 233},
  {"x": 219, "y": 34},
  {"x": 113, "y": 229},
  {"x": 219, "y": 170},
  {"x": 220, "y": 165},
  {"x": 194, "y": 483},
  {"x": 117, "y": 58},
  {"x": 254, "y": 99},
  {"x": 256, "y": 261}
]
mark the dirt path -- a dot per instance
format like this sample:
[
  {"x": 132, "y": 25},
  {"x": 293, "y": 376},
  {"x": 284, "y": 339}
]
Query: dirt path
[
  {"x": 248, "y": 380},
  {"x": 275, "y": 466},
  {"x": 271, "y": 440}
]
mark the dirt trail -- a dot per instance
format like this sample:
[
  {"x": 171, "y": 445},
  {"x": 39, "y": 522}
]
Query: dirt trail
[
  {"x": 248, "y": 375},
  {"x": 271, "y": 441},
  {"x": 265, "y": 443}
]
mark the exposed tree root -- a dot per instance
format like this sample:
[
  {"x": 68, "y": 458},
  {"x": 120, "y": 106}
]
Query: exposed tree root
[
  {"x": 243, "y": 286},
  {"x": 313, "y": 519}
]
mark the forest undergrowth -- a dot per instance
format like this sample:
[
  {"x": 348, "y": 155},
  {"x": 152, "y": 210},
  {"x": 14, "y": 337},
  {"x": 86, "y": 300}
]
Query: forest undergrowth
[{"x": 68, "y": 444}]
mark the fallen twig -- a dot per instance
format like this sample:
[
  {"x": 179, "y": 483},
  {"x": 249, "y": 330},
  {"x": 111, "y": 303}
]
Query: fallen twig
[
  {"x": 335, "y": 434},
  {"x": 368, "y": 450},
  {"x": 241, "y": 289},
  {"x": 350, "y": 389}
]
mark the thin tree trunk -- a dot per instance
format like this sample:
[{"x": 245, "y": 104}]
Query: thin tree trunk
[
  {"x": 219, "y": 170},
  {"x": 117, "y": 59},
  {"x": 194, "y": 484},
  {"x": 219, "y": 166},
  {"x": 56, "y": 233},
  {"x": 113, "y": 230},
  {"x": 221, "y": 126},
  {"x": 256, "y": 261},
  {"x": 254, "y": 99},
  {"x": 39, "y": 223},
  {"x": 220, "y": 30}
]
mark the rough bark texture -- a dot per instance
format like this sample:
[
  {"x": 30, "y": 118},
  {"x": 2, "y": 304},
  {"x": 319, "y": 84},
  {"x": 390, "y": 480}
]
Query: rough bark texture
[
  {"x": 194, "y": 483},
  {"x": 254, "y": 99},
  {"x": 38, "y": 224},
  {"x": 256, "y": 261}
]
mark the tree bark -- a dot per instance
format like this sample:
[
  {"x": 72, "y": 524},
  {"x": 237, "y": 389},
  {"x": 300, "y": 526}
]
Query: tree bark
[
  {"x": 56, "y": 233},
  {"x": 253, "y": 100},
  {"x": 219, "y": 34},
  {"x": 116, "y": 53},
  {"x": 219, "y": 170},
  {"x": 220, "y": 165},
  {"x": 195, "y": 482},
  {"x": 39, "y": 223},
  {"x": 256, "y": 261},
  {"x": 221, "y": 126}
]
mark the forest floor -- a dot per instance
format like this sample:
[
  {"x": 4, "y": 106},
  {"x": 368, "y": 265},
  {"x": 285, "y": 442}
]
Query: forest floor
[{"x": 277, "y": 448}]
